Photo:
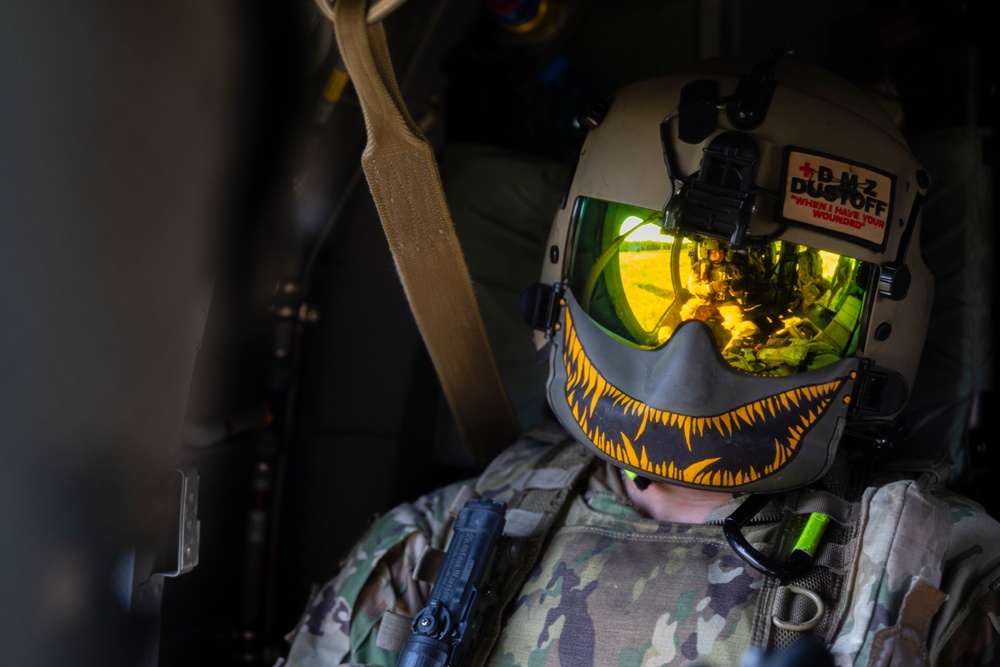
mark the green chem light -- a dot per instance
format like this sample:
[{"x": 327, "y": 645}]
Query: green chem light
[{"x": 812, "y": 533}]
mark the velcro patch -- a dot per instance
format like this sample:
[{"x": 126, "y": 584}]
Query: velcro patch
[{"x": 837, "y": 197}]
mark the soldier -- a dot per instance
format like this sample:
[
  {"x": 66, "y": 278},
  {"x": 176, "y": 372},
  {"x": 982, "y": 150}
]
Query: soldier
[
  {"x": 812, "y": 284},
  {"x": 684, "y": 511},
  {"x": 714, "y": 276},
  {"x": 714, "y": 282}
]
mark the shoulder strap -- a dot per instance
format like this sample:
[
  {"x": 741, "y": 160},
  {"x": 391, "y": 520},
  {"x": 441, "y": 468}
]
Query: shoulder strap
[
  {"x": 403, "y": 176},
  {"x": 872, "y": 589},
  {"x": 812, "y": 602},
  {"x": 808, "y": 604},
  {"x": 539, "y": 496}
]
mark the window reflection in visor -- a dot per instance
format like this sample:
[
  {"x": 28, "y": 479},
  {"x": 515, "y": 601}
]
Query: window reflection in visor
[{"x": 775, "y": 308}]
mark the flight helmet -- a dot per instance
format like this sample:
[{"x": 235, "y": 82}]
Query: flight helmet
[{"x": 734, "y": 281}]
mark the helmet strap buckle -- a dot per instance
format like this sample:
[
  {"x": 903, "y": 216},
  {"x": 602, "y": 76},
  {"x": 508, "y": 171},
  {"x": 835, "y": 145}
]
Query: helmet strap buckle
[{"x": 540, "y": 306}]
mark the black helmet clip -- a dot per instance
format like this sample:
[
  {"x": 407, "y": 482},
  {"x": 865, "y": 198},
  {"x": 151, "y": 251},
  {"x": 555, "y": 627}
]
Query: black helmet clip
[{"x": 717, "y": 201}]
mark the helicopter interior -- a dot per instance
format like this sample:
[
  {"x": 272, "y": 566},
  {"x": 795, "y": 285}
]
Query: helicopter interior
[{"x": 212, "y": 379}]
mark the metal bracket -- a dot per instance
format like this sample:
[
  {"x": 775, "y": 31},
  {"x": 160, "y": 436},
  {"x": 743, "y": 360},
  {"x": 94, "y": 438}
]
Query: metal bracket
[
  {"x": 878, "y": 391},
  {"x": 148, "y": 566},
  {"x": 540, "y": 305},
  {"x": 188, "y": 525}
]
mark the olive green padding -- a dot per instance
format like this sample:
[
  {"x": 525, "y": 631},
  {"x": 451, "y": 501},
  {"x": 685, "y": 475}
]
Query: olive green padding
[
  {"x": 957, "y": 239},
  {"x": 502, "y": 203}
]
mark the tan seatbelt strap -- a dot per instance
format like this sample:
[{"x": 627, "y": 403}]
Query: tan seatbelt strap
[{"x": 406, "y": 185}]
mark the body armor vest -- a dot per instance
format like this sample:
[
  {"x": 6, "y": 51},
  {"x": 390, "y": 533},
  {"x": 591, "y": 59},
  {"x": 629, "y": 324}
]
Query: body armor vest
[{"x": 593, "y": 583}]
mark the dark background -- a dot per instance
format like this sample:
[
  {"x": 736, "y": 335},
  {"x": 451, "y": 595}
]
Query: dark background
[{"x": 193, "y": 275}]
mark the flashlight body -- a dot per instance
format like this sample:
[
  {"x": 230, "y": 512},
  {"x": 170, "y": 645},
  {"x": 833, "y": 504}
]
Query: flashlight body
[{"x": 444, "y": 628}]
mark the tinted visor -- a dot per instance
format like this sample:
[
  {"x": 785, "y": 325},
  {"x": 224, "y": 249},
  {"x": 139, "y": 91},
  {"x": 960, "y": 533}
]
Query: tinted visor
[{"x": 775, "y": 308}]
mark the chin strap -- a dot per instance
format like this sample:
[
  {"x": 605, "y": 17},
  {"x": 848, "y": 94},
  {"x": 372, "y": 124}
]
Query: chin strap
[{"x": 403, "y": 176}]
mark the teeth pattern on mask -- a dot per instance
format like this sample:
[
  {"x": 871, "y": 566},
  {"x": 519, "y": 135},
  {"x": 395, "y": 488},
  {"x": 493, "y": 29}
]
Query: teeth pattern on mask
[{"x": 586, "y": 388}]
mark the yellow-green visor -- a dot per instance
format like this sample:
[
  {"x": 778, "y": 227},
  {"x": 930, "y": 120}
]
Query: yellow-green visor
[{"x": 775, "y": 307}]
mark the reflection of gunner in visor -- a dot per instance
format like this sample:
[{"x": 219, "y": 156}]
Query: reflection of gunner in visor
[
  {"x": 715, "y": 286},
  {"x": 812, "y": 284},
  {"x": 767, "y": 319}
]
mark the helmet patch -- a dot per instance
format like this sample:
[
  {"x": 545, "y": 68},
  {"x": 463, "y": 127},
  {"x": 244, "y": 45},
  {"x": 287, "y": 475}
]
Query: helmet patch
[{"x": 837, "y": 197}]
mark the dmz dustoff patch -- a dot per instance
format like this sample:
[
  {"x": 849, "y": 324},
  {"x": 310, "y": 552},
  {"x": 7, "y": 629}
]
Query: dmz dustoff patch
[{"x": 838, "y": 197}]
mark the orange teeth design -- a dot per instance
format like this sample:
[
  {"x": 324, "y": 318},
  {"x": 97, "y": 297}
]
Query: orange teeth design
[{"x": 728, "y": 449}]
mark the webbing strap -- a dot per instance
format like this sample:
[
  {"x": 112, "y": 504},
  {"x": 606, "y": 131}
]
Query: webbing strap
[
  {"x": 530, "y": 516},
  {"x": 405, "y": 183},
  {"x": 548, "y": 478},
  {"x": 464, "y": 495},
  {"x": 393, "y": 631},
  {"x": 842, "y": 511},
  {"x": 542, "y": 505},
  {"x": 810, "y": 602}
]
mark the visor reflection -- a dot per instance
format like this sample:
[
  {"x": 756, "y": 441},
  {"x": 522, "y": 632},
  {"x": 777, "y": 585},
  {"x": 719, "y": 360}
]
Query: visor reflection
[{"x": 775, "y": 308}]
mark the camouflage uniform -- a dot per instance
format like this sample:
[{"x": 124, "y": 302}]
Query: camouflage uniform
[
  {"x": 812, "y": 284},
  {"x": 712, "y": 286},
  {"x": 615, "y": 588}
]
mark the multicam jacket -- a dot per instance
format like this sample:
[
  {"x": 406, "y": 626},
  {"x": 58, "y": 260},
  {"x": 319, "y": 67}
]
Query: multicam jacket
[{"x": 909, "y": 575}]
